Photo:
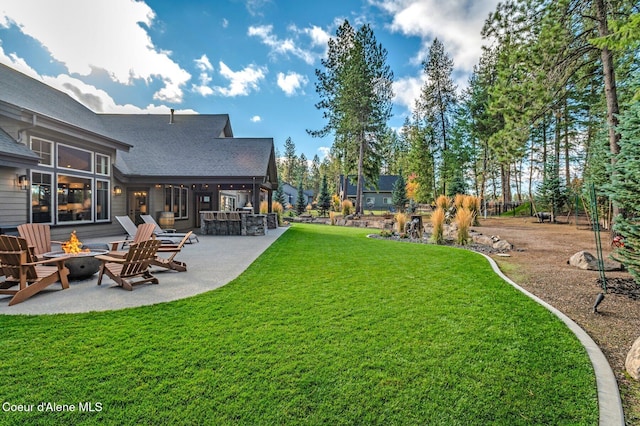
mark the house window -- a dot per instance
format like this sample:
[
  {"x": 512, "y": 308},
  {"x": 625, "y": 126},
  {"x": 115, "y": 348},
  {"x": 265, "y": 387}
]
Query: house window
[
  {"x": 75, "y": 199},
  {"x": 103, "y": 164},
  {"x": 176, "y": 201},
  {"x": 370, "y": 201},
  {"x": 228, "y": 202},
  {"x": 74, "y": 159},
  {"x": 387, "y": 200},
  {"x": 41, "y": 197},
  {"x": 102, "y": 199},
  {"x": 44, "y": 149}
]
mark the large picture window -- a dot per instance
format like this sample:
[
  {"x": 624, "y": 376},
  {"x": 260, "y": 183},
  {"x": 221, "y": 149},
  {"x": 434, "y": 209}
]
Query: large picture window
[
  {"x": 41, "y": 197},
  {"x": 75, "y": 203}
]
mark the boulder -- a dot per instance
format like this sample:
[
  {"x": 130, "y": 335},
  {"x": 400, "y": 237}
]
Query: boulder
[
  {"x": 632, "y": 363},
  {"x": 482, "y": 239},
  {"x": 502, "y": 245},
  {"x": 585, "y": 260}
]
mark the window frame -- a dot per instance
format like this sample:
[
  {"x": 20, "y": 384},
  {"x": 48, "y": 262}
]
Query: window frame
[{"x": 61, "y": 167}]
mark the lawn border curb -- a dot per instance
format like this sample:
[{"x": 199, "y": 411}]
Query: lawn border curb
[{"x": 609, "y": 401}]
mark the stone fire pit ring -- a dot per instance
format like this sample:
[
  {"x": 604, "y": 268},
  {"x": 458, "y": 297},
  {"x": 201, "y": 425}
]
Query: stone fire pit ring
[{"x": 84, "y": 264}]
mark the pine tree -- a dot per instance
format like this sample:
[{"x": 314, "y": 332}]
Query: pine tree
[
  {"x": 278, "y": 195},
  {"x": 290, "y": 161},
  {"x": 324, "y": 199},
  {"x": 356, "y": 93},
  {"x": 625, "y": 190},
  {"x": 399, "y": 193},
  {"x": 301, "y": 205}
]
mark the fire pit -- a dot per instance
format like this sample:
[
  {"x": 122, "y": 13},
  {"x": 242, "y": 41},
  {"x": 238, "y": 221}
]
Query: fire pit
[{"x": 82, "y": 262}]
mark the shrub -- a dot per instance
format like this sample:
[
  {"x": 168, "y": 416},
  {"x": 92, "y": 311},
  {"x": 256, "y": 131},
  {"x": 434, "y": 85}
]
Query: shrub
[
  {"x": 264, "y": 207},
  {"x": 437, "y": 220},
  {"x": 347, "y": 208},
  {"x": 385, "y": 233},
  {"x": 335, "y": 203},
  {"x": 401, "y": 220},
  {"x": 464, "y": 219},
  {"x": 443, "y": 202},
  {"x": 332, "y": 217}
]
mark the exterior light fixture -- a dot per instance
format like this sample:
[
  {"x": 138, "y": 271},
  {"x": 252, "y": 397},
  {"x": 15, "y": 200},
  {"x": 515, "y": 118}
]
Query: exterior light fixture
[
  {"x": 117, "y": 190},
  {"x": 23, "y": 182}
]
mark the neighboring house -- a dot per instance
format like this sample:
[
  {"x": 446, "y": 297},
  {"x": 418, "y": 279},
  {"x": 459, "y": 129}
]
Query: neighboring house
[
  {"x": 372, "y": 198},
  {"x": 62, "y": 164},
  {"x": 291, "y": 194}
]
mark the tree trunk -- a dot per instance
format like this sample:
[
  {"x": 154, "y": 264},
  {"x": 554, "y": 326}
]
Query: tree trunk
[{"x": 359, "y": 208}]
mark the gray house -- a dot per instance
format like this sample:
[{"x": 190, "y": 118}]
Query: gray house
[
  {"x": 373, "y": 198},
  {"x": 64, "y": 165},
  {"x": 291, "y": 194}
]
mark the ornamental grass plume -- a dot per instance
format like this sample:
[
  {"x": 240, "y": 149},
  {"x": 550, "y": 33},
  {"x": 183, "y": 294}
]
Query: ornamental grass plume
[
  {"x": 264, "y": 207},
  {"x": 332, "y": 217},
  {"x": 458, "y": 200},
  {"x": 464, "y": 219},
  {"x": 401, "y": 220},
  {"x": 277, "y": 208},
  {"x": 443, "y": 202},
  {"x": 347, "y": 208},
  {"x": 472, "y": 203},
  {"x": 437, "y": 220}
]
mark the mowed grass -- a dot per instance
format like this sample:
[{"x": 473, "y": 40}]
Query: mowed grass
[{"x": 326, "y": 327}]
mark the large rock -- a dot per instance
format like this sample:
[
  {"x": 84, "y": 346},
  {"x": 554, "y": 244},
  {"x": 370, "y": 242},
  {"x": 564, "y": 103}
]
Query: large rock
[
  {"x": 502, "y": 245},
  {"x": 585, "y": 260},
  {"x": 632, "y": 363},
  {"x": 482, "y": 239}
]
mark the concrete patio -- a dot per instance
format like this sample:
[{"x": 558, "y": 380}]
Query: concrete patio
[{"x": 211, "y": 263}]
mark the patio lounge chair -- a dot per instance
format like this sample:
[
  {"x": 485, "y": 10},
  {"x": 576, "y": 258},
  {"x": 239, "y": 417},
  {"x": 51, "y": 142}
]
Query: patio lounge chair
[
  {"x": 20, "y": 267},
  {"x": 134, "y": 268},
  {"x": 161, "y": 233},
  {"x": 131, "y": 229},
  {"x": 38, "y": 237},
  {"x": 169, "y": 262},
  {"x": 143, "y": 232}
]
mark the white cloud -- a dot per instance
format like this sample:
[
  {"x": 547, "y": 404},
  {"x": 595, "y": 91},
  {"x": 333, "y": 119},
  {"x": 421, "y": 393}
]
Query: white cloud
[
  {"x": 242, "y": 82},
  {"x": 204, "y": 78},
  {"x": 457, "y": 23},
  {"x": 93, "y": 98},
  {"x": 281, "y": 46},
  {"x": 291, "y": 82},
  {"x": 324, "y": 152},
  {"x": 407, "y": 90},
  {"x": 81, "y": 35},
  {"x": 256, "y": 119},
  {"x": 225, "y": 23}
]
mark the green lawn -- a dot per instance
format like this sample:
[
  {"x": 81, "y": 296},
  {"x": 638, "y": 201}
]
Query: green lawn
[{"x": 326, "y": 327}]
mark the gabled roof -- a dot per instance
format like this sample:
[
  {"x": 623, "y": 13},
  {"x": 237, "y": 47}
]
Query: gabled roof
[
  {"x": 15, "y": 154},
  {"x": 385, "y": 184},
  {"x": 191, "y": 146},
  {"x": 35, "y": 96}
]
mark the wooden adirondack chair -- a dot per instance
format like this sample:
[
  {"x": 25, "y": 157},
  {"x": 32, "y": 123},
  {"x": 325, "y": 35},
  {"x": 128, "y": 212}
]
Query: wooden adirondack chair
[
  {"x": 20, "y": 268},
  {"x": 169, "y": 262},
  {"x": 144, "y": 232},
  {"x": 133, "y": 269},
  {"x": 38, "y": 236}
]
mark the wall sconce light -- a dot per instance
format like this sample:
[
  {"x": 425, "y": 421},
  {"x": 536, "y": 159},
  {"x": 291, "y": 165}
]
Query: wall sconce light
[
  {"x": 117, "y": 190},
  {"x": 23, "y": 182}
]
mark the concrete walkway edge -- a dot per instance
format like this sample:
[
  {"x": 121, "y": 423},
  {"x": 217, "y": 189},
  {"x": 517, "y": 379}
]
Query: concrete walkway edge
[{"x": 609, "y": 402}]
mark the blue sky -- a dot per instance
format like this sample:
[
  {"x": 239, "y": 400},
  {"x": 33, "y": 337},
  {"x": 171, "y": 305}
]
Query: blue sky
[{"x": 252, "y": 59}]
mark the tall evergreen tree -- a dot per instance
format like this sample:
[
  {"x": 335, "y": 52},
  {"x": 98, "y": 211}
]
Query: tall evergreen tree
[
  {"x": 355, "y": 89},
  {"x": 324, "y": 198},
  {"x": 625, "y": 190},
  {"x": 436, "y": 103},
  {"x": 290, "y": 161},
  {"x": 399, "y": 193},
  {"x": 278, "y": 195},
  {"x": 301, "y": 204}
]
